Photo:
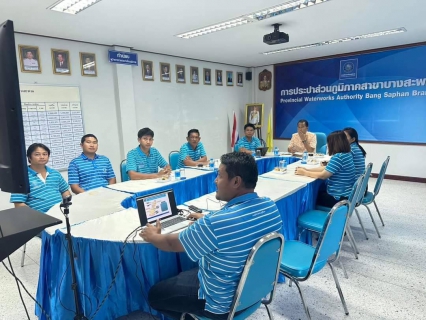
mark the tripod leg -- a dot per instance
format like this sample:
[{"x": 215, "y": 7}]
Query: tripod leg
[{"x": 23, "y": 255}]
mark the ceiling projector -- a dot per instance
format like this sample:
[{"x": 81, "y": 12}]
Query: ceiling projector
[{"x": 276, "y": 37}]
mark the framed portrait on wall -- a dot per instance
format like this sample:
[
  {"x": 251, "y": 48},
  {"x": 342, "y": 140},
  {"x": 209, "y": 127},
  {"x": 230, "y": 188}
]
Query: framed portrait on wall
[
  {"x": 219, "y": 77},
  {"x": 61, "y": 62},
  {"x": 165, "y": 72},
  {"x": 265, "y": 80},
  {"x": 239, "y": 79},
  {"x": 88, "y": 64},
  {"x": 29, "y": 58},
  {"x": 229, "y": 78},
  {"x": 194, "y": 75},
  {"x": 147, "y": 70},
  {"x": 254, "y": 114},
  {"x": 207, "y": 76},
  {"x": 180, "y": 74}
]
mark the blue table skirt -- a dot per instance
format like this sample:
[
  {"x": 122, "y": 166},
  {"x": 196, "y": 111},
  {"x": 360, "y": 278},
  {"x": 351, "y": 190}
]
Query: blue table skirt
[
  {"x": 143, "y": 265},
  {"x": 184, "y": 190}
]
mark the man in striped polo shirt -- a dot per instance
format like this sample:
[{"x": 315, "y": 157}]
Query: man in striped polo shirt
[
  {"x": 90, "y": 170},
  {"x": 47, "y": 186},
  {"x": 192, "y": 153},
  {"x": 144, "y": 160},
  {"x": 248, "y": 143},
  {"x": 220, "y": 242}
]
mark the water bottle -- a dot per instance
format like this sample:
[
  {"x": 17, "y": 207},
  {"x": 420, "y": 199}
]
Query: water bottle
[
  {"x": 276, "y": 151},
  {"x": 305, "y": 157},
  {"x": 211, "y": 164}
]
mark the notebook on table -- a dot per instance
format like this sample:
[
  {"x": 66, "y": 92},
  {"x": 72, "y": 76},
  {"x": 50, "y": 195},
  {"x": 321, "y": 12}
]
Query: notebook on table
[{"x": 161, "y": 205}]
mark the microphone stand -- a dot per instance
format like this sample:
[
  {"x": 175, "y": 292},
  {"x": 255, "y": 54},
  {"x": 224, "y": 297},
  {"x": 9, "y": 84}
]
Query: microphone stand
[{"x": 79, "y": 315}]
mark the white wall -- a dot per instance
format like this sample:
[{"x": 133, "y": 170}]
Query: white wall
[
  {"x": 97, "y": 93},
  {"x": 171, "y": 109},
  {"x": 405, "y": 160}
]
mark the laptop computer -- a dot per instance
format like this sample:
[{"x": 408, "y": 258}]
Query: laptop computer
[
  {"x": 161, "y": 205},
  {"x": 263, "y": 150}
]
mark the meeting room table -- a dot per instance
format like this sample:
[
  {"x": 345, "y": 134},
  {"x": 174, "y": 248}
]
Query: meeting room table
[{"x": 103, "y": 218}]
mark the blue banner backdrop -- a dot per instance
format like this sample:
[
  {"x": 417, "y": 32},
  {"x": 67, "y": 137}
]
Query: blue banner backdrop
[{"x": 382, "y": 95}]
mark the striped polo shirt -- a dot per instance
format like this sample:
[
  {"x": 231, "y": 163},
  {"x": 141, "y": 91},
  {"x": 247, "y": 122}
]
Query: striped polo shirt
[
  {"x": 139, "y": 162},
  {"x": 244, "y": 143},
  {"x": 186, "y": 150},
  {"x": 43, "y": 194},
  {"x": 90, "y": 173},
  {"x": 359, "y": 160},
  {"x": 221, "y": 242},
  {"x": 342, "y": 168}
]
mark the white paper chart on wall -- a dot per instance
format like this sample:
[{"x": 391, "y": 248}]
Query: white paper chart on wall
[{"x": 52, "y": 115}]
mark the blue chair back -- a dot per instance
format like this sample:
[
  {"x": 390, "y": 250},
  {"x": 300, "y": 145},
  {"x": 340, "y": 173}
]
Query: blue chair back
[
  {"x": 260, "y": 273},
  {"x": 321, "y": 140},
  {"x": 123, "y": 171},
  {"x": 173, "y": 159},
  {"x": 355, "y": 195},
  {"x": 381, "y": 176},
  {"x": 367, "y": 174},
  {"x": 323, "y": 149},
  {"x": 331, "y": 237}
]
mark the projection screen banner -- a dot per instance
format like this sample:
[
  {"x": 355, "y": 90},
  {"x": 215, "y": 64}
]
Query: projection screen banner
[{"x": 382, "y": 95}]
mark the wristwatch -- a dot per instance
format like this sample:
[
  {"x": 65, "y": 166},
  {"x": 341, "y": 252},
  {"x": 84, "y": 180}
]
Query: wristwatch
[{"x": 303, "y": 141}]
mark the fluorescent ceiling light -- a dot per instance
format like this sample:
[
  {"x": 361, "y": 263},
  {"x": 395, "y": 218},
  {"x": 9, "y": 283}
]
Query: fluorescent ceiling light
[
  {"x": 252, "y": 17},
  {"x": 323, "y": 43},
  {"x": 72, "y": 6}
]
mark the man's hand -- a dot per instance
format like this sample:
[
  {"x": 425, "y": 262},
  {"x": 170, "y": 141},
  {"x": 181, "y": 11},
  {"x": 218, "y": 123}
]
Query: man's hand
[
  {"x": 195, "y": 215},
  {"x": 300, "y": 171},
  {"x": 150, "y": 231},
  {"x": 302, "y": 136}
]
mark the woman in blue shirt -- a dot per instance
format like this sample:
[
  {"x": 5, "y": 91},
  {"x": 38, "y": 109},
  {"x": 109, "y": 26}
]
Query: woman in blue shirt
[
  {"x": 358, "y": 152},
  {"x": 339, "y": 172}
]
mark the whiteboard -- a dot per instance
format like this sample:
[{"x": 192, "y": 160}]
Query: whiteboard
[{"x": 52, "y": 115}]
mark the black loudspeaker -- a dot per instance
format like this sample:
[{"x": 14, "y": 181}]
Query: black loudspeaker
[{"x": 248, "y": 75}]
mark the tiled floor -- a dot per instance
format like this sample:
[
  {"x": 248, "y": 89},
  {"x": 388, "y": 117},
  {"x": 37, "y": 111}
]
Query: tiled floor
[{"x": 387, "y": 282}]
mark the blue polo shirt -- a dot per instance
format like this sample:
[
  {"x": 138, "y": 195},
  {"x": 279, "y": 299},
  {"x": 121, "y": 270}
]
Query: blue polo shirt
[
  {"x": 43, "y": 195},
  {"x": 221, "y": 242},
  {"x": 139, "y": 162},
  {"x": 90, "y": 173},
  {"x": 359, "y": 160},
  {"x": 342, "y": 167},
  {"x": 186, "y": 150},
  {"x": 244, "y": 143}
]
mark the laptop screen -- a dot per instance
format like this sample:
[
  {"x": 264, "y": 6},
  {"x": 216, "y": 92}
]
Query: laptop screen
[{"x": 160, "y": 205}]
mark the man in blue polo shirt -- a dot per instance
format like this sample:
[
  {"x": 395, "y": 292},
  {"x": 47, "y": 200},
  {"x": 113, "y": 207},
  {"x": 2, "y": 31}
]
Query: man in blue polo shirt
[
  {"x": 220, "y": 242},
  {"x": 144, "y": 160},
  {"x": 192, "y": 153},
  {"x": 90, "y": 170},
  {"x": 248, "y": 143},
  {"x": 47, "y": 186}
]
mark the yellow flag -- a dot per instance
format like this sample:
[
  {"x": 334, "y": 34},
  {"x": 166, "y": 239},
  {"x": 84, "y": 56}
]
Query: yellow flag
[{"x": 269, "y": 136}]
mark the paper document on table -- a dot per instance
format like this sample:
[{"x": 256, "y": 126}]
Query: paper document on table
[{"x": 289, "y": 176}]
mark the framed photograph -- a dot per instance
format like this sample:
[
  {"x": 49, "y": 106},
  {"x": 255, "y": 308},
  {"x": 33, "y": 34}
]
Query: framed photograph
[
  {"x": 61, "y": 62},
  {"x": 254, "y": 114},
  {"x": 165, "y": 72},
  {"x": 265, "y": 80},
  {"x": 219, "y": 78},
  {"x": 29, "y": 58},
  {"x": 229, "y": 78},
  {"x": 194, "y": 75},
  {"x": 239, "y": 79},
  {"x": 180, "y": 74},
  {"x": 88, "y": 64},
  {"x": 207, "y": 73},
  {"x": 147, "y": 70}
]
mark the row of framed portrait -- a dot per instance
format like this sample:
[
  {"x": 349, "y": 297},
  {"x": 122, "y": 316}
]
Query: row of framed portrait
[
  {"x": 29, "y": 57},
  {"x": 220, "y": 77}
]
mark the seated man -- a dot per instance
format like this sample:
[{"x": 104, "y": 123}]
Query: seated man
[
  {"x": 47, "y": 186},
  {"x": 192, "y": 153},
  {"x": 90, "y": 170},
  {"x": 248, "y": 143},
  {"x": 302, "y": 140},
  {"x": 220, "y": 242},
  {"x": 143, "y": 161}
]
